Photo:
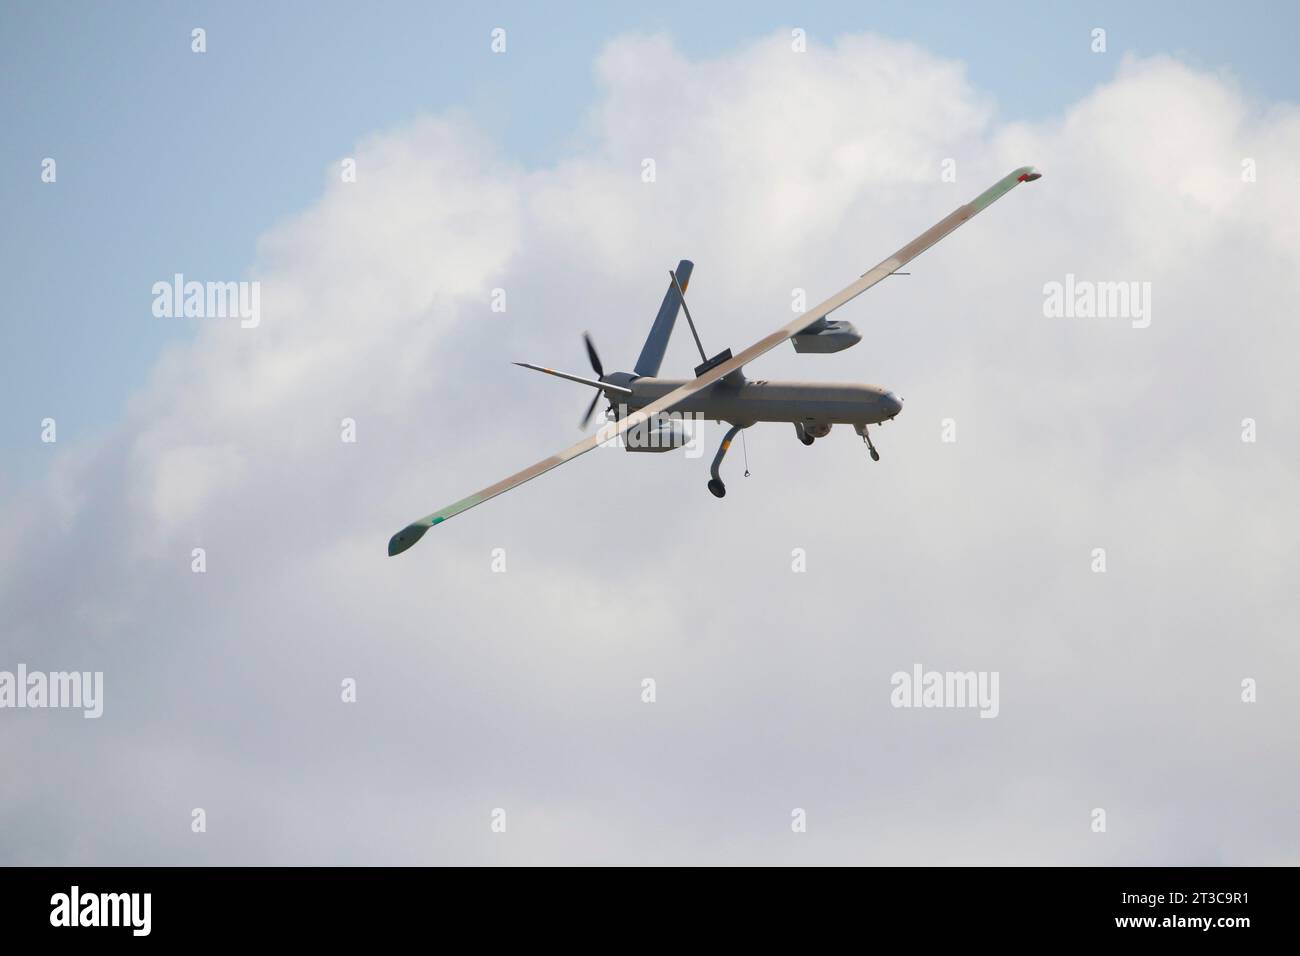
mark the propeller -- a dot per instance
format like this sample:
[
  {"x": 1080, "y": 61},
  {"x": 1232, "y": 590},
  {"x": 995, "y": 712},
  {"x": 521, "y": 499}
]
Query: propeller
[
  {"x": 591, "y": 354},
  {"x": 599, "y": 369}
]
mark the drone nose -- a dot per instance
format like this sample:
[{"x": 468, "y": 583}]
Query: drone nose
[{"x": 893, "y": 403}]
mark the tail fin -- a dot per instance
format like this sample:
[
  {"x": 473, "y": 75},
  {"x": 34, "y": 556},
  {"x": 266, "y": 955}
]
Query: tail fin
[{"x": 652, "y": 353}]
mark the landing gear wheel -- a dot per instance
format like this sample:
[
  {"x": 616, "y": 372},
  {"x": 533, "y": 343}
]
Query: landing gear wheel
[
  {"x": 807, "y": 439},
  {"x": 716, "y": 487},
  {"x": 866, "y": 437}
]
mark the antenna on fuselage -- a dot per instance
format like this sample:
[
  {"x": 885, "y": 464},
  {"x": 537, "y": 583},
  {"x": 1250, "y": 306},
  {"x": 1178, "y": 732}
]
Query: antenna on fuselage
[{"x": 681, "y": 294}]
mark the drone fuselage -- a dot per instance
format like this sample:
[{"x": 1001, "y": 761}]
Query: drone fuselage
[{"x": 747, "y": 402}]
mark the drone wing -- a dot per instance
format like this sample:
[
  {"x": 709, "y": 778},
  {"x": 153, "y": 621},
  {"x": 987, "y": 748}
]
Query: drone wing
[{"x": 1025, "y": 174}]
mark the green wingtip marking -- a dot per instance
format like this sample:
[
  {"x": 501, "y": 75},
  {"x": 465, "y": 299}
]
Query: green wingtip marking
[
  {"x": 405, "y": 538},
  {"x": 412, "y": 533},
  {"x": 1002, "y": 187}
]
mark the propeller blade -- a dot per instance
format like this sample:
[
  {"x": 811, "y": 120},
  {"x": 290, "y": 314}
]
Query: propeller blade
[
  {"x": 586, "y": 419},
  {"x": 595, "y": 359}
]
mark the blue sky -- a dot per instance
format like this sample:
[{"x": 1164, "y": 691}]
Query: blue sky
[{"x": 170, "y": 161}]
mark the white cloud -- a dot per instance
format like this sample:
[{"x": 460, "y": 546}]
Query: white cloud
[
  {"x": 478, "y": 690},
  {"x": 186, "y": 478}
]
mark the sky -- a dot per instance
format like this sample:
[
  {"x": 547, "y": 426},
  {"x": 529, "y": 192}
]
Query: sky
[{"x": 500, "y": 665}]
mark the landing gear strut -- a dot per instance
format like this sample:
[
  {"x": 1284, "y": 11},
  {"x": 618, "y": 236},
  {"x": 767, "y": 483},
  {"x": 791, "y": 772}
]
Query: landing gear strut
[
  {"x": 716, "y": 487},
  {"x": 875, "y": 455}
]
